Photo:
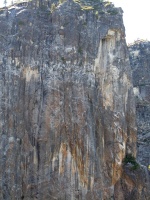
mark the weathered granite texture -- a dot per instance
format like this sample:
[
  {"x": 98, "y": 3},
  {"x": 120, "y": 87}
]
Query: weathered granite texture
[
  {"x": 67, "y": 112},
  {"x": 140, "y": 64},
  {"x": 134, "y": 184}
]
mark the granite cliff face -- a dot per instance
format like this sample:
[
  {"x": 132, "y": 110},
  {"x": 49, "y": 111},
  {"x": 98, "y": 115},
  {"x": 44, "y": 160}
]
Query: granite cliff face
[
  {"x": 140, "y": 63},
  {"x": 67, "y": 112}
]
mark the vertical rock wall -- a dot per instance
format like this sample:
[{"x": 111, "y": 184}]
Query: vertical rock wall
[
  {"x": 67, "y": 115},
  {"x": 140, "y": 63}
]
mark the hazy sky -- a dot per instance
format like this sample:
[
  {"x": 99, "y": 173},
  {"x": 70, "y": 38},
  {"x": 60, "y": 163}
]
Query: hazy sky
[{"x": 136, "y": 18}]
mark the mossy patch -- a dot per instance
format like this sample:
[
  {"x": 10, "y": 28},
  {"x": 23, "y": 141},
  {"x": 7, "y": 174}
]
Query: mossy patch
[
  {"x": 113, "y": 12},
  {"x": 53, "y": 7},
  {"x": 80, "y": 51},
  {"x": 63, "y": 60},
  {"x": 21, "y": 23},
  {"x": 129, "y": 158}
]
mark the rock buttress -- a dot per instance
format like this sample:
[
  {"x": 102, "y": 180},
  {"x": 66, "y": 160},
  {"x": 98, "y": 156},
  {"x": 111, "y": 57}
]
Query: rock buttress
[
  {"x": 67, "y": 115},
  {"x": 140, "y": 63}
]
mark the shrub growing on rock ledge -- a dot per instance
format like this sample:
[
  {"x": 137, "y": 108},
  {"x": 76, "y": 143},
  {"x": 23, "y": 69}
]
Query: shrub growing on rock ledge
[{"x": 129, "y": 158}]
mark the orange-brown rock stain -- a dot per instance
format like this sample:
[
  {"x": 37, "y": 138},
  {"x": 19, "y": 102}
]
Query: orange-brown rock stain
[
  {"x": 117, "y": 172},
  {"x": 63, "y": 151},
  {"x": 82, "y": 166},
  {"x": 129, "y": 183},
  {"x": 77, "y": 163}
]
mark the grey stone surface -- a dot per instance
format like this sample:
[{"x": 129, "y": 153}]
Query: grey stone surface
[
  {"x": 67, "y": 111},
  {"x": 140, "y": 64}
]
